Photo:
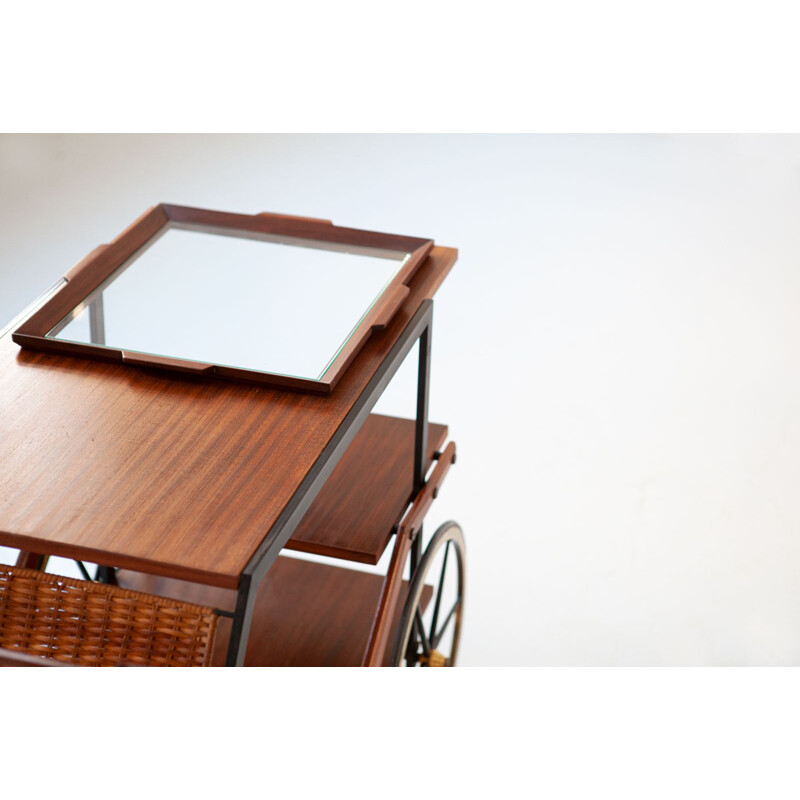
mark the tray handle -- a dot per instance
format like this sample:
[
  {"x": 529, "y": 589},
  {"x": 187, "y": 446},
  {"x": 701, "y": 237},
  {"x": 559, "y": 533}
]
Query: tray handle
[{"x": 162, "y": 362}]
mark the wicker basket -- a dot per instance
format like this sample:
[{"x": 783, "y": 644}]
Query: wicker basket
[{"x": 96, "y": 624}]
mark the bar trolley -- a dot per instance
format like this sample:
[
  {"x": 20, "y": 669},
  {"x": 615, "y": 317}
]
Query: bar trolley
[{"x": 179, "y": 413}]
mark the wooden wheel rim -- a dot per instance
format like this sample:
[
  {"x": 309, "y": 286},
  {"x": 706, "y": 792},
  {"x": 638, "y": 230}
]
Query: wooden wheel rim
[{"x": 449, "y": 532}]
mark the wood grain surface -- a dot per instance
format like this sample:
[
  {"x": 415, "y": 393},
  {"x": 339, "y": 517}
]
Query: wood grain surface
[{"x": 177, "y": 476}]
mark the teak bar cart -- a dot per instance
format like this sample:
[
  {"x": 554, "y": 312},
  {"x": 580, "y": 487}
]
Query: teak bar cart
[{"x": 185, "y": 480}]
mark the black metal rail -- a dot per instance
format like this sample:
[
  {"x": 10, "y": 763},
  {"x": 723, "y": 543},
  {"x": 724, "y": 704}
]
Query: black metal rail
[{"x": 418, "y": 329}]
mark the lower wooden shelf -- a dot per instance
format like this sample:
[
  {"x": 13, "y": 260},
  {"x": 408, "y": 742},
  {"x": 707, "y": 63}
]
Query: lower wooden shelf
[{"x": 306, "y": 613}]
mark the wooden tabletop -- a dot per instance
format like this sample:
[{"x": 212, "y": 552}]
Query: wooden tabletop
[{"x": 182, "y": 477}]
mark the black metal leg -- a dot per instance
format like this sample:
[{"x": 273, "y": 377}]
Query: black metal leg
[
  {"x": 106, "y": 575},
  {"x": 423, "y": 391},
  {"x": 418, "y": 329},
  {"x": 242, "y": 617},
  {"x": 420, "y": 456}
]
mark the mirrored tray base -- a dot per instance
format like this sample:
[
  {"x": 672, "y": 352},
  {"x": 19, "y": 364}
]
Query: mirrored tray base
[{"x": 268, "y": 299}]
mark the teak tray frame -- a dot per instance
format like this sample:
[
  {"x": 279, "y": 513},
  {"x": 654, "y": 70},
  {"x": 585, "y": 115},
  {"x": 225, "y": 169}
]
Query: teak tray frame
[{"x": 89, "y": 275}]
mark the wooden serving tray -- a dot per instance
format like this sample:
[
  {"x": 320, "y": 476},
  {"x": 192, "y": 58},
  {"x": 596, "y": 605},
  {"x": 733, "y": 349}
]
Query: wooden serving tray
[{"x": 194, "y": 347}]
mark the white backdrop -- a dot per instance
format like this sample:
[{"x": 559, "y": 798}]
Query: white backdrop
[{"x": 615, "y": 352}]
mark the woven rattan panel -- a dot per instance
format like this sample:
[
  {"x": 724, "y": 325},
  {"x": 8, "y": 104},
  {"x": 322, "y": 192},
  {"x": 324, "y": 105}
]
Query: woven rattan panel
[{"x": 95, "y": 624}]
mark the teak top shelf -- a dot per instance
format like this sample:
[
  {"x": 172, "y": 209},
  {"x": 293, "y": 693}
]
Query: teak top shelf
[{"x": 181, "y": 477}]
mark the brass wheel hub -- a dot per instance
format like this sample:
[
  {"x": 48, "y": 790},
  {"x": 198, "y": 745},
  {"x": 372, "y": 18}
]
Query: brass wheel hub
[{"x": 435, "y": 659}]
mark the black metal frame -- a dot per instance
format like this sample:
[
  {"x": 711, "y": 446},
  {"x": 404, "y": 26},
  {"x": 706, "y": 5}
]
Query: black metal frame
[
  {"x": 420, "y": 449},
  {"x": 419, "y": 328}
]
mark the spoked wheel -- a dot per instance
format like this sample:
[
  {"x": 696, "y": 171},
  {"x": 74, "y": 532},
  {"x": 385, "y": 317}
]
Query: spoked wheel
[{"x": 430, "y": 638}]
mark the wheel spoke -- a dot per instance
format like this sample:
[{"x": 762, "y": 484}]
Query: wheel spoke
[
  {"x": 438, "y": 637},
  {"x": 412, "y": 650},
  {"x": 412, "y": 653},
  {"x": 84, "y": 571},
  {"x": 439, "y": 589},
  {"x": 426, "y": 645}
]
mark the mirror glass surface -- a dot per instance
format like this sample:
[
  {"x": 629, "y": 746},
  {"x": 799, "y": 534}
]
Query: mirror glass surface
[{"x": 271, "y": 304}]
